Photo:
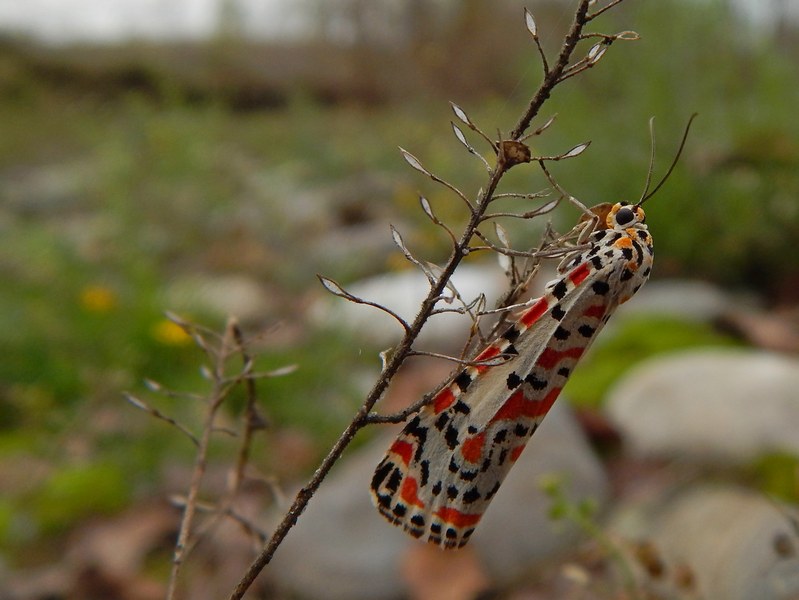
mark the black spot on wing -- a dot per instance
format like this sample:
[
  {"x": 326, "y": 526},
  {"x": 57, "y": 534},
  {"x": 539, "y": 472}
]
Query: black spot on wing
[
  {"x": 561, "y": 333},
  {"x": 535, "y": 382},
  {"x": 394, "y": 480},
  {"x": 425, "y": 468},
  {"x": 451, "y": 437},
  {"x": 557, "y": 312},
  {"x": 511, "y": 333},
  {"x": 627, "y": 253},
  {"x": 463, "y": 380},
  {"x": 600, "y": 287},
  {"x": 564, "y": 371},
  {"x": 513, "y": 381},
  {"x": 381, "y": 473},
  {"x": 441, "y": 421},
  {"x": 461, "y": 407},
  {"x": 626, "y": 275},
  {"x": 418, "y": 520},
  {"x": 384, "y": 501},
  {"x": 586, "y": 331},
  {"x": 503, "y": 455},
  {"x": 511, "y": 350},
  {"x": 471, "y": 495},
  {"x": 469, "y": 475},
  {"x": 436, "y": 489},
  {"x": 520, "y": 430},
  {"x": 452, "y": 492},
  {"x": 560, "y": 289},
  {"x": 596, "y": 262}
]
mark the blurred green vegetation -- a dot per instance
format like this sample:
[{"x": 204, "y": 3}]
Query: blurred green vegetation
[{"x": 113, "y": 193}]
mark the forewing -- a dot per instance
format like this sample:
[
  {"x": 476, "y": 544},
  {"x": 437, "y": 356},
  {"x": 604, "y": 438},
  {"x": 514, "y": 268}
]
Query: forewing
[{"x": 450, "y": 459}]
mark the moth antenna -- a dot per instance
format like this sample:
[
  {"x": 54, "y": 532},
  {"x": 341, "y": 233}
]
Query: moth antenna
[
  {"x": 651, "y": 159},
  {"x": 648, "y": 195}
]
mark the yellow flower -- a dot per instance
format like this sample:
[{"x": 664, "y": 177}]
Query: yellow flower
[
  {"x": 98, "y": 299},
  {"x": 170, "y": 334}
]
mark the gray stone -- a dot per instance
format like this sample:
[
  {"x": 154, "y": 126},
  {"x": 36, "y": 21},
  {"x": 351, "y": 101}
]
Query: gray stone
[
  {"x": 341, "y": 548},
  {"x": 727, "y": 406},
  {"x": 727, "y": 537}
]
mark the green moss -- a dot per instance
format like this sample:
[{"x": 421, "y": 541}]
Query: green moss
[
  {"x": 778, "y": 475},
  {"x": 77, "y": 492}
]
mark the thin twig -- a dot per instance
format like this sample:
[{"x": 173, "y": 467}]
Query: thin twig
[{"x": 403, "y": 350}]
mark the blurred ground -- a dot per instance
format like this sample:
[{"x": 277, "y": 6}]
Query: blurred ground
[{"x": 219, "y": 177}]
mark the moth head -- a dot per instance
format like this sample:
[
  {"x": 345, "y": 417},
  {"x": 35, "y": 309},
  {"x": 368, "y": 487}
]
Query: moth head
[{"x": 623, "y": 216}]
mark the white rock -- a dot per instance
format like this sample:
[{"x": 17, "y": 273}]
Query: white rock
[
  {"x": 725, "y": 406},
  {"x": 341, "y": 548},
  {"x": 403, "y": 293},
  {"x": 681, "y": 298},
  {"x": 230, "y": 295}
]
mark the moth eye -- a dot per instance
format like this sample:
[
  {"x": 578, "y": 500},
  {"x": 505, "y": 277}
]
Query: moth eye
[{"x": 624, "y": 216}]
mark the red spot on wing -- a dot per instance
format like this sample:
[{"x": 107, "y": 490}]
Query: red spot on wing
[
  {"x": 402, "y": 449},
  {"x": 443, "y": 400},
  {"x": 597, "y": 311},
  {"x": 532, "y": 314},
  {"x": 472, "y": 448},
  {"x": 486, "y": 354},
  {"x": 578, "y": 275},
  {"x": 452, "y": 516},
  {"x": 519, "y": 406},
  {"x": 408, "y": 493},
  {"x": 550, "y": 357}
]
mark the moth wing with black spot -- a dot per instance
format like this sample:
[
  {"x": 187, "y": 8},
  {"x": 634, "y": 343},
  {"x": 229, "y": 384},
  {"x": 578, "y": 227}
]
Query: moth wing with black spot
[{"x": 447, "y": 464}]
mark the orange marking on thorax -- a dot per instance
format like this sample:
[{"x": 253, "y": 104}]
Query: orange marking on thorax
[
  {"x": 472, "y": 448},
  {"x": 443, "y": 400},
  {"x": 408, "y": 492},
  {"x": 402, "y": 449},
  {"x": 623, "y": 242},
  {"x": 551, "y": 357},
  {"x": 532, "y": 314},
  {"x": 453, "y": 516}
]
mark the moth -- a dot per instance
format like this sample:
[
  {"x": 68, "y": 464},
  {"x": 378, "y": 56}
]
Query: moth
[{"x": 441, "y": 473}]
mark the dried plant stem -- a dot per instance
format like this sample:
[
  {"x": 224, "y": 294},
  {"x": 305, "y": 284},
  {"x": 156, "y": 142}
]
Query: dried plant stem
[
  {"x": 552, "y": 77},
  {"x": 215, "y": 400}
]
